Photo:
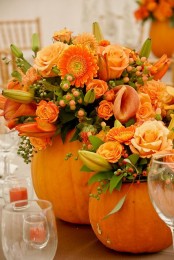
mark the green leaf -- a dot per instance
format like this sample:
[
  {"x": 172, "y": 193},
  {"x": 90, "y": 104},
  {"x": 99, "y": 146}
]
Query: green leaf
[
  {"x": 130, "y": 122},
  {"x": 75, "y": 136},
  {"x": 133, "y": 158},
  {"x": 129, "y": 161},
  {"x": 115, "y": 181},
  {"x": 99, "y": 176},
  {"x": 16, "y": 75},
  {"x": 117, "y": 207},
  {"x": 84, "y": 168},
  {"x": 105, "y": 187},
  {"x": 117, "y": 123},
  {"x": 66, "y": 117},
  {"x": 143, "y": 161},
  {"x": 95, "y": 141}
]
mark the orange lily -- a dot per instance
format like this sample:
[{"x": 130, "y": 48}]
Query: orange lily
[
  {"x": 14, "y": 109},
  {"x": 32, "y": 130},
  {"x": 2, "y": 101},
  {"x": 160, "y": 67}
]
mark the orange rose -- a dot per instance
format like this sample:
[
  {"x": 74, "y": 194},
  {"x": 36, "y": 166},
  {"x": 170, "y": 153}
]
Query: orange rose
[
  {"x": 63, "y": 35},
  {"x": 145, "y": 110},
  {"x": 47, "y": 111},
  {"x": 40, "y": 143},
  {"x": 47, "y": 58},
  {"x": 113, "y": 59},
  {"x": 111, "y": 151},
  {"x": 99, "y": 86},
  {"x": 149, "y": 138},
  {"x": 105, "y": 109},
  {"x": 109, "y": 95}
]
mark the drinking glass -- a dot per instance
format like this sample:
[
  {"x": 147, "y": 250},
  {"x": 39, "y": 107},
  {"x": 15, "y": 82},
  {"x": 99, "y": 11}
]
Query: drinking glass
[
  {"x": 161, "y": 187},
  {"x": 29, "y": 230}
]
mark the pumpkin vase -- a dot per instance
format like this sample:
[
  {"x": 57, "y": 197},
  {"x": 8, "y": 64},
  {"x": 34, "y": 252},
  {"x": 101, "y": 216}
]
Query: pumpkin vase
[
  {"x": 61, "y": 181},
  {"x": 135, "y": 228},
  {"x": 162, "y": 35}
]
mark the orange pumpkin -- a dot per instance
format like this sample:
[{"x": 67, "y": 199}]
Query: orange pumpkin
[
  {"x": 135, "y": 228},
  {"x": 162, "y": 35},
  {"x": 61, "y": 181}
]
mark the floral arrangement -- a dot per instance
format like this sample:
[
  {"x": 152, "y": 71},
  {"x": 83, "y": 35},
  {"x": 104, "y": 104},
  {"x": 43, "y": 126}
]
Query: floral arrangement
[
  {"x": 110, "y": 94},
  {"x": 160, "y": 10}
]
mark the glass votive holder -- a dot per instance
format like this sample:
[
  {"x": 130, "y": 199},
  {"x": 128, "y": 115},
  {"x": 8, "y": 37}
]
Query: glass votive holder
[{"x": 17, "y": 188}]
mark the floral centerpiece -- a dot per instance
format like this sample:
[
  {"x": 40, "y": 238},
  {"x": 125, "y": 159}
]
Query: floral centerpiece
[
  {"x": 111, "y": 97},
  {"x": 160, "y": 13},
  {"x": 160, "y": 10}
]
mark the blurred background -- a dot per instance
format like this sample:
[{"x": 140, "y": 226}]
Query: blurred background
[{"x": 115, "y": 17}]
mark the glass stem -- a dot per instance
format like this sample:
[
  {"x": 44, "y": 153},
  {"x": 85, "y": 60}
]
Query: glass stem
[
  {"x": 6, "y": 166},
  {"x": 172, "y": 231}
]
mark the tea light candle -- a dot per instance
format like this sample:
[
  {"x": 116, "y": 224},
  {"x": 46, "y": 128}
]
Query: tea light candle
[
  {"x": 38, "y": 234},
  {"x": 18, "y": 193}
]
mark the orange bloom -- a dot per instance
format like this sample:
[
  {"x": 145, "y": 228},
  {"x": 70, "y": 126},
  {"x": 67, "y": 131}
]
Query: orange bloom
[
  {"x": 32, "y": 130},
  {"x": 121, "y": 134},
  {"x": 15, "y": 84},
  {"x": 111, "y": 151},
  {"x": 102, "y": 135},
  {"x": 163, "y": 11},
  {"x": 44, "y": 125},
  {"x": 126, "y": 103},
  {"x": 149, "y": 138},
  {"x": 104, "y": 43},
  {"x": 109, "y": 95},
  {"x": 30, "y": 77},
  {"x": 157, "y": 93},
  {"x": 99, "y": 86},
  {"x": 63, "y": 35},
  {"x": 142, "y": 13},
  {"x": 40, "y": 143},
  {"x": 145, "y": 110},
  {"x": 159, "y": 68},
  {"x": 2, "y": 101},
  {"x": 87, "y": 40},
  {"x": 47, "y": 111},
  {"x": 13, "y": 110},
  {"x": 113, "y": 59},
  {"x": 47, "y": 58},
  {"x": 105, "y": 109},
  {"x": 80, "y": 62}
]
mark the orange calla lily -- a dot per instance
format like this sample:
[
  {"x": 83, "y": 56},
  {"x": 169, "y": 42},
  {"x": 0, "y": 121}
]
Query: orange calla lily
[{"x": 126, "y": 103}]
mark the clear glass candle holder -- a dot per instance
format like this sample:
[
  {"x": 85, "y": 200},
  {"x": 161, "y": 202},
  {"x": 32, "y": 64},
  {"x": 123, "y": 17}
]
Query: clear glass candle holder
[
  {"x": 17, "y": 188},
  {"x": 29, "y": 232}
]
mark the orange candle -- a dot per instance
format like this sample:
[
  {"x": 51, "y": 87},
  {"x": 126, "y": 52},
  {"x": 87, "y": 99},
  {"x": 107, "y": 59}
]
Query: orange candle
[
  {"x": 18, "y": 193},
  {"x": 38, "y": 234}
]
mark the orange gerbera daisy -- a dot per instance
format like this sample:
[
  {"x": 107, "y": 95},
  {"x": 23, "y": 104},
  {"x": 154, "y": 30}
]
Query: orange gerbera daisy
[
  {"x": 80, "y": 62},
  {"x": 121, "y": 134},
  {"x": 86, "y": 39}
]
